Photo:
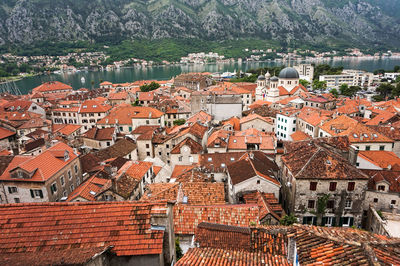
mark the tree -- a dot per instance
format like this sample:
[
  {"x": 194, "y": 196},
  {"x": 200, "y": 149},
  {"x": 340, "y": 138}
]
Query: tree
[
  {"x": 288, "y": 220},
  {"x": 178, "y": 249},
  {"x": 304, "y": 82},
  {"x": 377, "y": 98},
  {"x": 335, "y": 92},
  {"x": 149, "y": 87},
  {"x": 319, "y": 85},
  {"x": 321, "y": 207},
  {"x": 396, "y": 90},
  {"x": 179, "y": 122},
  {"x": 348, "y": 91},
  {"x": 385, "y": 89},
  {"x": 396, "y": 69}
]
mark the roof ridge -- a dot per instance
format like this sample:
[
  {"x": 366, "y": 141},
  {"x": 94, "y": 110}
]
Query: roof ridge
[{"x": 309, "y": 160}]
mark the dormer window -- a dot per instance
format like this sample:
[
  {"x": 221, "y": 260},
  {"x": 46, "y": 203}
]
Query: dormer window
[
  {"x": 381, "y": 188},
  {"x": 66, "y": 156},
  {"x": 84, "y": 107}
]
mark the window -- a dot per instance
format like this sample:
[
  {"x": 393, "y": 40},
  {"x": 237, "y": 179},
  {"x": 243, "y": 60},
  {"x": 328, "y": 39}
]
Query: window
[
  {"x": 16, "y": 200},
  {"x": 347, "y": 221},
  {"x": 147, "y": 122},
  {"x": 367, "y": 148},
  {"x": 382, "y": 147},
  {"x": 12, "y": 190},
  {"x": 330, "y": 204},
  {"x": 159, "y": 153},
  {"x": 65, "y": 194},
  {"x": 393, "y": 202},
  {"x": 311, "y": 204},
  {"x": 180, "y": 158},
  {"x": 69, "y": 174},
  {"x": 329, "y": 221},
  {"x": 348, "y": 204},
  {"x": 258, "y": 182},
  {"x": 381, "y": 188},
  {"x": 332, "y": 186},
  {"x": 62, "y": 181},
  {"x": 108, "y": 144},
  {"x": 350, "y": 186},
  {"x": 375, "y": 200},
  {"x": 53, "y": 188},
  {"x": 209, "y": 159},
  {"x": 147, "y": 146},
  {"x": 148, "y": 153},
  {"x": 36, "y": 193},
  {"x": 313, "y": 186},
  {"x": 76, "y": 168},
  {"x": 167, "y": 145},
  {"x": 71, "y": 187}
]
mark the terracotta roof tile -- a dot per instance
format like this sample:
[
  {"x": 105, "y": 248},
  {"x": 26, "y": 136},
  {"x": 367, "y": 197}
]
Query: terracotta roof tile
[
  {"x": 195, "y": 147},
  {"x": 123, "y": 225},
  {"x": 100, "y": 133}
]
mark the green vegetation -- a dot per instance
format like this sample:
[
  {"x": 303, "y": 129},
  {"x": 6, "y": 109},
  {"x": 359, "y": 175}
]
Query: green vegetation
[
  {"x": 252, "y": 78},
  {"x": 178, "y": 249},
  {"x": 321, "y": 207},
  {"x": 304, "y": 82},
  {"x": 319, "y": 85},
  {"x": 150, "y": 87},
  {"x": 349, "y": 91},
  {"x": 380, "y": 214},
  {"x": 179, "y": 122},
  {"x": 288, "y": 220},
  {"x": 334, "y": 92}
]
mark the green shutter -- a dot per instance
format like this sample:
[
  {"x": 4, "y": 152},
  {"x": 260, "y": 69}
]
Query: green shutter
[
  {"x": 314, "y": 219},
  {"x": 351, "y": 221},
  {"x": 304, "y": 220},
  {"x": 334, "y": 221},
  {"x": 341, "y": 221},
  {"x": 324, "y": 219}
]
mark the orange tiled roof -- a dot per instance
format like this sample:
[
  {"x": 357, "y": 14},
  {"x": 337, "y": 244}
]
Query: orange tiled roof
[
  {"x": 94, "y": 106},
  {"x": 233, "y": 121},
  {"x": 195, "y": 147},
  {"x": 123, "y": 225},
  {"x": 299, "y": 136},
  {"x": 219, "y": 257},
  {"x": 251, "y": 117},
  {"x": 5, "y": 133},
  {"x": 88, "y": 189},
  {"x": 314, "y": 116},
  {"x": 357, "y": 132},
  {"x": 382, "y": 159},
  {"x": 43, "y": 166},
  {"x": 201, "y": 117},
  {"x": 66, "y": 130},
  {"x": 124, "y": 113},
  {"x": 188, "y": 217},
  {"x": 51, "y": 86},
  {"x": 100, "y": 133}
]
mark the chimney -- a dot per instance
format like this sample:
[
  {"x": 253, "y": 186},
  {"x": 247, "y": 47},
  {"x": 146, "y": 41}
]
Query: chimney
[{"x": 114, "y": 184}]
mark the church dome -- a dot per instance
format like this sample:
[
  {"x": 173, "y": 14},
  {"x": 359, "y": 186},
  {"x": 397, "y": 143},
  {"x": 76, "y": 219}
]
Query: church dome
[
  {"x": 267, "y": 75},
  {"x": 289, "y": 73},
  {"x": 261, "y": 77},
  {"x": 274, "y": 78}
]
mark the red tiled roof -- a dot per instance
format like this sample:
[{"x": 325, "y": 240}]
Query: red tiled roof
[
  {"x": 219, "y": 257},
  {"x": 124, "y": 113},
  {"x": 195, "y": 148},
  {"x": 51, "y": 86},
  {"x": 66, "y": 130},
  {"x": 94, "y": 106},
  {"x": 299, "y": 136},
  {"x": 253, "y": 164},
  {"x": 382, "y": 159},
  {"x": 88, "y": 189},
  {"x": 309, "y": 159},
  {"x": 64, "y": 226},
  {"x": 100, "y": 133},
  {"x": 43, "y": 166},
  {"x": 188, "y": 217},
  {"x": 5, "y": 133}
]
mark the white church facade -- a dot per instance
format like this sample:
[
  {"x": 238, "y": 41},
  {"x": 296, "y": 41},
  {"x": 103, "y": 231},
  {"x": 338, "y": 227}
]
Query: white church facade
[{"x": 273, "y": 89}]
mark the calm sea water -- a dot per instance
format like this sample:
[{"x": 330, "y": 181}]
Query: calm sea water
[{"x": 92, "y": 79}]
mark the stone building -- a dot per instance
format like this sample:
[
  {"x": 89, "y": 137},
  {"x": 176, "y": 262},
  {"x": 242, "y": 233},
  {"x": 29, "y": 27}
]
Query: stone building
[
  {"x": 49, "y": 176},
  {"x": 320, "y": 186}
]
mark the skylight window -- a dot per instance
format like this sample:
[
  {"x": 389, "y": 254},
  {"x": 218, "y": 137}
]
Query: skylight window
[
  {"x": 355, "y": 135},
  {"x": 92, "y": 193},
  {"x": 85, "y": 106},
  {"x": 209, "y": 159},
  {"x": 365, "y": 135}
]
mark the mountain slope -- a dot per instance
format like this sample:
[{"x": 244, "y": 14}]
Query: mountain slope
[{"x": 362, "y": 22}]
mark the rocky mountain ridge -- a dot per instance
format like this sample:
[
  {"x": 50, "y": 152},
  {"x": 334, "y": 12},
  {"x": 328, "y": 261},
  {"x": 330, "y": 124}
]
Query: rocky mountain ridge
[{"x": 367, "y": 22}]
